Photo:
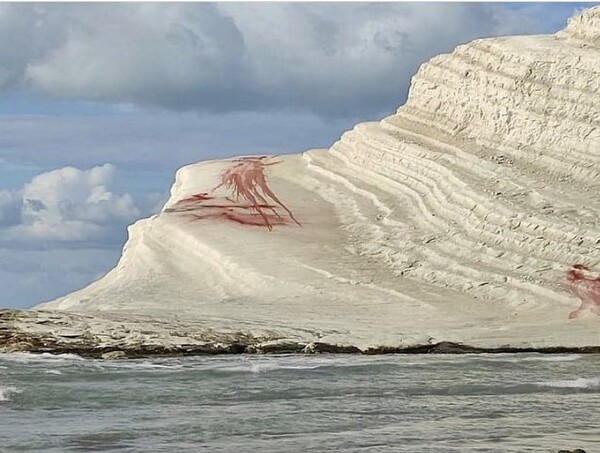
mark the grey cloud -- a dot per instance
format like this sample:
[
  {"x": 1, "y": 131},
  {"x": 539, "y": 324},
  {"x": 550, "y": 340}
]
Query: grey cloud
[
  {"x": 333, "y": 59},
  {"x": 164, "y": 54},
  {"x": 34, "y": 205},
  {"x": 27, "y": 34}
]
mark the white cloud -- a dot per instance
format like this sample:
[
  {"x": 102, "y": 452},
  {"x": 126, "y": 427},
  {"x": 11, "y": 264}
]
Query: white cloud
[
  {"x": 67, "y": 205},
  {"x": 326, "y": 58}
]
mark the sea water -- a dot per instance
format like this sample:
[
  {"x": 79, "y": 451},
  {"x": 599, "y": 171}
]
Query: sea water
[{"x": 293, "y": 403}]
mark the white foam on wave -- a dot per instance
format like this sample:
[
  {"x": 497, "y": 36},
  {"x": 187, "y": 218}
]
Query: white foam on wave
[
  {"x": 517, "y": 358},
  {"x": 579, "y": 383},
  {"x": 145, "y": 365},
  {"x": 7, "y": 391},
  {"x": 26, "y": 357},
  {"x": 264, "y": 368},
  {"x": 556, "y": 358}
]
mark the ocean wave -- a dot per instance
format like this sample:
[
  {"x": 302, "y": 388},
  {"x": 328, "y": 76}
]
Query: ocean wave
[
  {"x": 514, "y": 357},
  {"x": 556, "y": 358},
  {"x": 145, "y": 365},
  {"x": 579, "y": 383},
  {"x": 264, "y": 368},
  {"x": 25, "y": 357},
  {"x": 521, "y": 358},
  {"x": 7, "y": 391}
]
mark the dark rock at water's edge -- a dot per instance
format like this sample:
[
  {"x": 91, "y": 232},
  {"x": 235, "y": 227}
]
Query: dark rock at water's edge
[
  {"x": 577, "y": 450},
  {"x": 115, "y": 336}
]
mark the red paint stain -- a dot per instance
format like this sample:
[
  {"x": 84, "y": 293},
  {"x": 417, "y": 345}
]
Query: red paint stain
[
  {"x": 585, "y": 285},
  {"x": 248, "y": 199}
]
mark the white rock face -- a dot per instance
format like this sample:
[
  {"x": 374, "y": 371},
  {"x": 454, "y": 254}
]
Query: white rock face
[{"x": 459, "y": 218}]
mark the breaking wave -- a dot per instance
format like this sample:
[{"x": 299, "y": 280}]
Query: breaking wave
[
  {"x": 7, "y": 391},
  {"x": 264, "y": 368},
  {"x": 25, "y": 357},
  {"x": 579, "y": 383}
]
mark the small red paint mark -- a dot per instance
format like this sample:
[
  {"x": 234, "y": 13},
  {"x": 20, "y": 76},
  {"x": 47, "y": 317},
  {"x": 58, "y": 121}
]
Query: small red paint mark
[
  {"x": 585, "y": 285},
  {"x": 248, "y": 200}
]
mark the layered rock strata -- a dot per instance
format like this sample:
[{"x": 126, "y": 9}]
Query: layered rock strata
[{"x": 470, "y": 216}]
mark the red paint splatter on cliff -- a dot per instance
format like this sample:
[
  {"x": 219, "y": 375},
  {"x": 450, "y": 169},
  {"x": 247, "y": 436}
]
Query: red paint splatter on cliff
[
  {"x": 248, "y": 201},
  {"x": 585, "y": 285}
]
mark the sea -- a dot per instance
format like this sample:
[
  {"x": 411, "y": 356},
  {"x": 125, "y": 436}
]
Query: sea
[{"x": 301, "y": 403}]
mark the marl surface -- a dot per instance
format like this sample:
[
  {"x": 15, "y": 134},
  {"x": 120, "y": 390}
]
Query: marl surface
[{"x": 472, "y": 215}]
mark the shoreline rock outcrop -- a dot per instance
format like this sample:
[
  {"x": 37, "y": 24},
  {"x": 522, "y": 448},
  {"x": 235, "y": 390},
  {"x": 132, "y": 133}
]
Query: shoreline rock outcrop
[
  {"x": 469, "y": 217},
  {"x": 116, "y": 337}
]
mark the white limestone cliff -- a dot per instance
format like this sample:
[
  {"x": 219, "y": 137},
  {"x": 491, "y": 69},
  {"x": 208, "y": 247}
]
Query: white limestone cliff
[{"x": 471, "y": 215}]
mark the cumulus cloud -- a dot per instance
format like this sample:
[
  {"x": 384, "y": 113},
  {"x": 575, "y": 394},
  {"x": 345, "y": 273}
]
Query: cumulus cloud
[
  {"x": 67, "y": 205},
  {"x": 331, "y": 59}
]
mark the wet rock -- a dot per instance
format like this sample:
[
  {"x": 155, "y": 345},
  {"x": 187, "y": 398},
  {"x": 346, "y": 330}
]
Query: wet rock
[
  {"x": 316, "y": 347},
  {"x": 113, "y": 355},
  {"x": 279, "y": 346},
  {"x": 68, "y": 333}
]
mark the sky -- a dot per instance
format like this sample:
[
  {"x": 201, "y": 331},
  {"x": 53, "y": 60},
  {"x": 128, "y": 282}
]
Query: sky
[{"x": 100, "y": 104}]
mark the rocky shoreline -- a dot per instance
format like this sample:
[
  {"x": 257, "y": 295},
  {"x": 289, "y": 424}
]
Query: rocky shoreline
[{"x": 112, "y": 336}]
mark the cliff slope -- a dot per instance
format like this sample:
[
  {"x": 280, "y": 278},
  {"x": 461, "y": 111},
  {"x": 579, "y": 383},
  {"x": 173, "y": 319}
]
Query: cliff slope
[{"x": 472, "y": 215}]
